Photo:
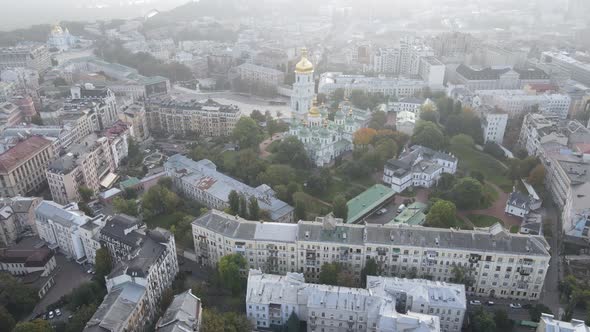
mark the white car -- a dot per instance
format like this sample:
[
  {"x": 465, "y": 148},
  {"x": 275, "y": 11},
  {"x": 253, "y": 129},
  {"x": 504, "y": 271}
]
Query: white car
[
  {"x": 57, "y": 312},
  {"x": 515, "y": 305},
  {"x": 475, "y": 302},
  {"x": 51, "y": 315}
]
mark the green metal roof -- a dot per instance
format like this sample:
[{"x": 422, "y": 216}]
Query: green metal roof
[
  {"x": 368, "y": 200},
  {"x": 412, "y": 215},
  {"x": 129, "y": 183}
]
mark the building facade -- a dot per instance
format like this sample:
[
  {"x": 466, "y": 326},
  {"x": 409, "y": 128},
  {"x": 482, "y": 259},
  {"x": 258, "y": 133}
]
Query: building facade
[
  {"x": 398, "y": 87},
  {"x": 22, "y": 167},
  {"x": 493, "y": 124},
  {"x": 135, "y": 115},
  {"x": 32, "y": 56},
  {"x": 496, "y": 263},
  {"x": 17, "y": 218},
  {"x": 267, "y": 76}
]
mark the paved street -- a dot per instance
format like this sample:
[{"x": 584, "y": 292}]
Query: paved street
[
  {"x": 550, "y": 295},
  {"x": 504, "y": 304}
]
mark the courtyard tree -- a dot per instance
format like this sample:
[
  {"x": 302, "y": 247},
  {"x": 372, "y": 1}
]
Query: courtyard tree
[
  {"x": 234, "y": 202},
  {"x": 104, "y": 264},
  {"x": 467, "y": 193},
  {"x": 7, "y": 322},
  {"x": 253, "y": 208},
  {"x": 371, "y": 269},
  {"x": 37, "y": 325},
  {"x": 247, "y": 133},
  {"x": 442, "y": 214},
  {"x": 243, "y": 207},
  {"x": 340, "y": 208},
  {"x": 428, "y": 134},
  {"x": 230, "y": 269}
]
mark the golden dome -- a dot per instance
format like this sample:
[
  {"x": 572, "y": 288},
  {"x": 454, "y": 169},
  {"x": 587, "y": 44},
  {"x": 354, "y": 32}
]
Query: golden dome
[
  {"x": 56, "y": 30},
  {"x": 304, "y": 65},
  {"x": 314, "y": 111}
]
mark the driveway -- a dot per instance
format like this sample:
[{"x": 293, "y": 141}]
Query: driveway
[{"x": 264, "y": 144}]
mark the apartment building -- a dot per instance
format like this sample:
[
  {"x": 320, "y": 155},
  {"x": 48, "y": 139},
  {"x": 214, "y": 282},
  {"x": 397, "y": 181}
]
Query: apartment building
[
  {"x": 183, "y": 314},
  {"x": 22, "y": 167},
  {"x": 32, "y": 56},
  {"x": 34, "y": 267},
  {"x": 444, "y": 300},
  {"x": 207, "y": 118},
  {"x": 101, "y": 100},
  {"x": 271, "y": 299},
  {"x": 17, "y": 218},
  {"x": 264, "y": 75},
  {"x": 561, "y": 63},
  {"x": 62, "y": 136},
  {"x": 548, "y": 323},
  {"x": 118, "y": 135},
  {"x": 121, "y": 236},
  {"x": 85, "y": 164},
  {"x": 518, "y": 102},
  {"x": 411, "y": 104},
  {"x": 10, "y": 115},
  {"x": 66, "y": 228},
  {"x": 495, "y": 262},
  {"x": 200, "y": 180},
  {"x": 432, "y": 71},
  {"x": 493, "y": 78},
  {"x": 386, "y": 60},
  {"x": 136, "y": 285},
  {"x": 135, "y": 115},
  {"x": 493, "y": 124},
  {"x": 418, "y": 166},
  {"x": 390, "y": 86}
]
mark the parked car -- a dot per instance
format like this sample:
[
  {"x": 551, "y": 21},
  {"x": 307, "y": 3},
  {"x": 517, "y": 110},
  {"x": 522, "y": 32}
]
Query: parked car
[
  {"x": 490, "y": 303},
  {"x": 401, "y": 208},
  {"x": 382, "y": 211},
  {"x": 57, "y": 312},
  {"x": 51, "y": 315},
  {"x": 515, "y": 305},
  {"x": 475, "y": 302}
]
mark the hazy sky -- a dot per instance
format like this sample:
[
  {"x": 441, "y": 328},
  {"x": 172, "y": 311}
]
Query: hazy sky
[{"x": 22, "y": 13}]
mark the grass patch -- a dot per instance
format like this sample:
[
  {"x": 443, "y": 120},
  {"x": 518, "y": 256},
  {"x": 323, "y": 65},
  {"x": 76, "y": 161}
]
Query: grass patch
[
  {"x": 514, "y": 229},
  {"x": 314, "y": 207},
  {"x": 480, "y": 220},
  {"x": 492, "y": 169}
]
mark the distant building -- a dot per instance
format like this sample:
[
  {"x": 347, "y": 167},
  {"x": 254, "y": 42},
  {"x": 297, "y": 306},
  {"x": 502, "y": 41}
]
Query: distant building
[
  {"x": 498, "y": 78},
  {"x": 207, "y": 118},
  {"x": 562, "y": 63},
  {"x": 389, "y": 86},
  {"x": 519, "y": 102},
  {"x": 60, "y": 39},
  {"x": 405, "y": 121},
  {"x": 103, "y": 100},
  {"x": 493, "y": 123},
  {"x": 418, "y": 166},
  {"x": 267, "y": 76},
  {"x": 411, "y": 104},
  {"x": 135, "y": 115},
  {"x": 271, "y": 299},
  {"x": 184, "y": 314},
  {"x": 201, "y": 181},
  {"x": 32, "y": 56},
  {"x": 17, "y": 217},
  {"x": 10, "y": 115},
  {"x": 22, "y": 167}
]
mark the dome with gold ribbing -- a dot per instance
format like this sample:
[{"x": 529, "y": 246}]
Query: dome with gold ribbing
[
  {"x": 314, "y": 111},
  {"x": 304, "y": 65}
]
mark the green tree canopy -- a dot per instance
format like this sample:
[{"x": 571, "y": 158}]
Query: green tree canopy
[
  {"x": 19, "y": 299},
  {"x": 502, "y": 321},
  {"x": 37, "y": 325},
  {"x": 247, "y": 133},
  {"x": 126, "y": 206},
  {"x": 277, "y": 174},
  {"x": 339, "y": 207},
  {"x": 462, "y": 140},
  {"x": 234, "y": 202},
  {"x": 85, "y": 193},
  {"x": 291, "y": 152},
  {"x": 428, "y": 134},
  {"x": 80, "y": 318},
  {"x": 442, "y": 214},
  {"x": 253, "y": 209},
  {"x": 104, "y": 263},
  {"x": 7, "y": 322},
  {"x": 243, "y": 207},
  {"x": 483, "y": 321},
  {"x": 300, "y": 207},
  {"x": 371, "y": 269},
  {"x": 467, "y": 193},
  {"x": 230, "y": 268},
  {"x": 214, "y": 321},
  {"x": 329, "y": 274}
]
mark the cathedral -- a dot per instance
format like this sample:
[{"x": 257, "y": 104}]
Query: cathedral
[
  {"x": 60, "y": 39},
  {"x": 324, "y": 139}
]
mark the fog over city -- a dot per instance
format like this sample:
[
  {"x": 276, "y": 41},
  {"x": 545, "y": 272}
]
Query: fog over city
[{"x": 294, "y": 165}]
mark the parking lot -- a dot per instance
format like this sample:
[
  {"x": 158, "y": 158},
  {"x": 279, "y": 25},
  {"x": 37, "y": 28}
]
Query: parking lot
[{"x": 383, "y": 218}]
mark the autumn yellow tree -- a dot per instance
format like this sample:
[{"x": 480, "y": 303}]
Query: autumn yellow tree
[{"x": 364, "y": 136}]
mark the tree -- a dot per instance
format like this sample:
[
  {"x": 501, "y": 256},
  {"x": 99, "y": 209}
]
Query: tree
[
  {"x": 460, "y": 276},
  {"x": 291, "y": 152},
  {"x": 537, "y": 176},
  {"x": 37, "y": 120},
  {"x": 19, "y": 299},
  {"x": 329, "y": 274},
  {"x": 337, "y": 96},
  {"x": 340, "y": 208},
  {"x": 214, "y": 321},
  {"x": 292, "y": 324},
  {"x": 158, "y": 200},
  {"x": 538, "y": 309},
  {"x": 277, "y": 174},
  {"x": 446, "y": 181},
  {"x": 364, "y": 136},
  {"x": 479, "y": 176},
  {"x": 7, "y": 322},
  {"x": 37, "y": 325},
  {"x": 429, "y": 115},
  {"x": 165, "y": 182},
  {"x": 80, "y": 318},
  {"x": 243, "y": 212},
  {"x": 442, "y": 214},
  {"x": 247, "y": 133},
  {"x": 493, "y": 149},
  {"x": 104, "y": 263},
  {"x": 378, "y": 120},
  {"x": 300, "y": 208},
  {"x": 428, "y": 134},
  {"x": 257, "y": 116},
  {"x": 483, "y": 321},
  {"x": 230, "y": 268},
  {"x": 467, "y": 193},
  {"x": 91, "y": 292},
  {"x": 502, "y": 321},
  {"x": 85, "y": 193},
  {"x": 126, "y": 206},
  {"x": 254, "y": 209},
  {"x": 234, "y": 202},
  {"x": 60, "y": 81},
  {"x": 371, "y": 269},
  {"x": 462, "y": 140}
]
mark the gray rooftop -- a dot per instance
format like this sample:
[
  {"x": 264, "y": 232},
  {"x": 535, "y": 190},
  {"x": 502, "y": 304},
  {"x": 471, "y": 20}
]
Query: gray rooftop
[
  {"x": 182, "y": 315},
  {"x": 116, "y": 308}
]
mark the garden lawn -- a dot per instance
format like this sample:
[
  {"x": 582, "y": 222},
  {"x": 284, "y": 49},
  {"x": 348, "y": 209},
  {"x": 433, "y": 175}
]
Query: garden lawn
[
  {"x": 514, "y": 229},
  {"x": 492, "y": 169},
  {"x": 480, "y": 220}
]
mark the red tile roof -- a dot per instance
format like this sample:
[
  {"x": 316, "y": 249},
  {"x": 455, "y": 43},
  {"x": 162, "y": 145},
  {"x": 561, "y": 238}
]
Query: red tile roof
[{"x": 21, "y": 152}]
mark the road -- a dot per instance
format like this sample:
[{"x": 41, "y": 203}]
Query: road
[
  {"x": 550, "y": 295},
  {"x": 504, "y": 304}
]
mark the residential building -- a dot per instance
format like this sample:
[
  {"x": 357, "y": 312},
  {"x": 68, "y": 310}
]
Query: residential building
[
  {"x": 7, "y": 91},
  {"x": 22, "y": 167},
  {"x": 324, "y": 139},
  {"x": 386, "y": 60},
  {"x": 32, "y": 56},
  {"x": 271, "y": 299},
  {"x": 405, "y": 122},
  {"x": 10, "y": 115},
  {"x": 418, "y": 166},
  {"x": 102, "y": 100},
  {"x": 398, "y": 87},
  {"x": 26, "y": 107},
  {"x": 135, "y": 115},
  {"x": 518, "y": 102},
  {"x": 500, "y": 264},
  {"x": 136, "y": 285},
  {"x": 548, "y": 323},
  {"x": 432, "y": 71},
  {"x": 184, "y": 314},
  {"x": 87, "y": 163},
  {"x": 118, "y": 135},
  {"x": 64, "y": 227},
  {"x": 493, "y": 124},
  {"x": 561, "y": 63},
  {"x": 17, "y": 218},
  {"x": 445, "y": 300},
  {"x": 208, "y": 118},
  {"x": 121, "y": 236},
  {"x": 200, "y": 180},
  {"x": 268, "y": 76},
  {"x": 412, "y": 104},
  {"x": 368, "y": 202},
  {"x": 518, "y": 204},
  {"x": 33, "y": 267},
  {"x": 498, "y": 78},
  {"x": 453, "y": 44},
  {"x": 62, "y": 136}
]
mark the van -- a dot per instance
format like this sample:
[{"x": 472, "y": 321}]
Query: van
[{"x": 401, "y": 208}]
